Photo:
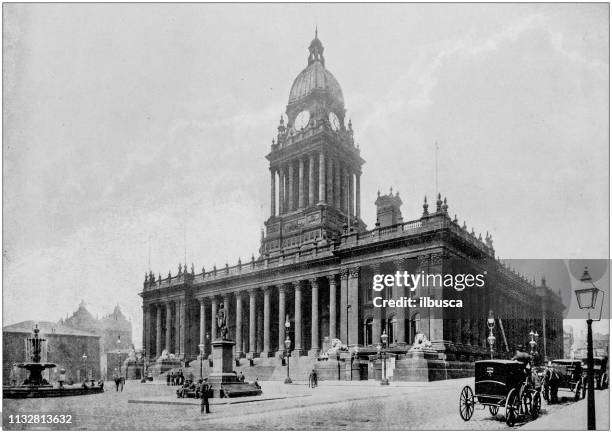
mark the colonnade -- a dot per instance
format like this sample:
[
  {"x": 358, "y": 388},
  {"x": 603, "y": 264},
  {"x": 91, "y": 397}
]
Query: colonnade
[
  {"x": 168, "y": 331},
  {"x": 313, "y": 179}
]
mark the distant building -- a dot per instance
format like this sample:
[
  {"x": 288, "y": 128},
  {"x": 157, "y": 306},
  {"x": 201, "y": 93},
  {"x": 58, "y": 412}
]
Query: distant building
[
  {"x": 111, "y": 328},
  {"x": 115, "y": 331},
  {"x": 65, "y": 347},
  {"x": 568, "y": 341},
  {"x": 601, "y": 344}
]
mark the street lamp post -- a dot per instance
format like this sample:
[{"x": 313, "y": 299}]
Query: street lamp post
[
  {"x": 383, "y": 339},
  {"x": 533, "y": 336},
  {"x": 587, "y": 300},
  {"x": 201, "y": 347},
  {"x": 491, "y": 337},
  {"x": 84, "y": 358},
  {"x": 119, "y": 355},
  {"x": 287, "y": 347}
]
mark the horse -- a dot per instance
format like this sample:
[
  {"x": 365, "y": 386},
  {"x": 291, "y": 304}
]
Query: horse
[{"x": 551, "y": 380}]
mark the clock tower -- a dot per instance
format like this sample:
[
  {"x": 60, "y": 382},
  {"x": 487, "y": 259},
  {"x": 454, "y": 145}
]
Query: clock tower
[{"x": 315, "y": 168}]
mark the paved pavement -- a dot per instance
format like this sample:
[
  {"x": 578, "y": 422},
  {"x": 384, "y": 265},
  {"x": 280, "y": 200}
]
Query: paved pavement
[{"x": 332, "y": 406}]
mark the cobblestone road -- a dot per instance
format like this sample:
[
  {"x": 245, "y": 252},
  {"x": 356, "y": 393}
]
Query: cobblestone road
[{"x": 331, "y": 406}]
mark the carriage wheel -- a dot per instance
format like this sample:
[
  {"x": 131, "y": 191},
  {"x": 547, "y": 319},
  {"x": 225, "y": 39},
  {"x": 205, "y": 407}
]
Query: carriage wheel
[
  {"x": 579, "y": 391},
  {"x": 536, "y": 405},
  {"x": 512, "y": 405},
  {"x": 494, "y": 410},
  {"x": 466, "y": 403}
]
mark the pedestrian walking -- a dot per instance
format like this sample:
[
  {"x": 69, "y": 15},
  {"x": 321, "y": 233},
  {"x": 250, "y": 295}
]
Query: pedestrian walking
[
  {"x": 315, "y": 378},
  {"x": 168, "y": 379},
  {"x": 117, "y": 380},
  {"x": 204, "y": 393}
]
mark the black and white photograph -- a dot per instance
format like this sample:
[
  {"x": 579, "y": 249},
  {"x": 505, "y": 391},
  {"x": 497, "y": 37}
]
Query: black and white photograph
[{"x": 305, "y": 216}]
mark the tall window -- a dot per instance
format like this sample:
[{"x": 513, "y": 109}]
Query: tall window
[{"x": 367, "y": 331}]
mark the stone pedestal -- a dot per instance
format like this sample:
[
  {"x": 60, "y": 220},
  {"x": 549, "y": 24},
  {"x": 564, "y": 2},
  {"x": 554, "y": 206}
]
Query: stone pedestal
[
  {"x": 133, "y": 368},
  {"x": 425, "y": 365},
  {"x": 162, "y": 365},
  {"x": 222, "y": 379},
  {"x": 314, "y": 353}
]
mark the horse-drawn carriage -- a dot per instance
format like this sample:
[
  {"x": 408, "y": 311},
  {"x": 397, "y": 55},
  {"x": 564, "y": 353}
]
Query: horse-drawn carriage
[
  {"x": 563, "y": 373},
  {"x": 501, "y": 383},
  {"x": 600, "y": 372}
]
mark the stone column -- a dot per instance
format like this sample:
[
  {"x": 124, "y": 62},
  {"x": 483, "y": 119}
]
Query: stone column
[
  {"x": 378, "y": 313},
  {"x": 239, "y": 352},
  {"x": 266, "y": 324},
  {"x": 358, "y": 195},
  {"x": 343, "y": 304},
  {"x": 281, "y": 318},
  {"x": 290, "y": 205},
  {"x": 213, "y": 319},
  {"x": 202, "y": 324},
  {"x": 182, "y": 333},
  {"x": 337, "y": 186},
  {"x": 330, "y": 182},
  {"x": 351, "y": 200},
  {"x": 400, "y": 312},
  {"x": 314, "y": 322},
  {"x": 252, "y": 324},
  {"x": 298, "y": 318},
  {"x": 332, "y": 306},
  {"x": 311, "y": 200},
  {"x": 259, "y": 339},
  {"x": 144, "y": 330},
  {"x": 177, "y": 328},
  {"x": 353, "y": 312},
  {"x": 272, "y": 192},
  {"x": 424, "y": 291},
  {"x": 281, "y": 191},
  {"x": 168, "y": 325},
  {"x": 158, "y": 332},
  {"x": 321, "y": 177},
  {"x": 301, "y": 184},
  {"x": 147, "y": 327},
  {"x": 344, "y": 204}
]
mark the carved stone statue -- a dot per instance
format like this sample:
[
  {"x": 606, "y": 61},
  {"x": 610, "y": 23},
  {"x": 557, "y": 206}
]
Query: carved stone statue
[
  {"x": 336, "y": 346},
  {"x": 221, "y": 323},
  {"x": 421, "y": 342}
]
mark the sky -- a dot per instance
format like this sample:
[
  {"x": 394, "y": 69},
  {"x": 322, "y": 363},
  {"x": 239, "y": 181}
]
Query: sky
[{"x": 135, "y": 134}]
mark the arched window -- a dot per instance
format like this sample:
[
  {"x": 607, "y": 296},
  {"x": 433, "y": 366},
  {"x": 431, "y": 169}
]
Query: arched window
[
  {"x": 415, "y": 326},
  {"x": 367, "y": 331}
]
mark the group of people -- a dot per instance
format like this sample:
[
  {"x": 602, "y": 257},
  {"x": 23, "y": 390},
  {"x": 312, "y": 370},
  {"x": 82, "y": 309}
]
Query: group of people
[
  {"x": 119, "y": 381},
  {"x": 175, "y": 378}
]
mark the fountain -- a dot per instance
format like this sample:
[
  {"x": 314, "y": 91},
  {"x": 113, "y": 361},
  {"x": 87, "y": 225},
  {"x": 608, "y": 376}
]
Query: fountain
[{"x": 37, "y": 386}]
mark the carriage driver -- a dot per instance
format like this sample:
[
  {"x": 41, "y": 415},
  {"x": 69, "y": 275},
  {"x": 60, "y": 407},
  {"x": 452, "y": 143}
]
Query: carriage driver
[{"x": 525, "y": 359}]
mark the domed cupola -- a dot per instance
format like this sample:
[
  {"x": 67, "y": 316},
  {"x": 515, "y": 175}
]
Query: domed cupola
[{"x": 315, "y": 89}]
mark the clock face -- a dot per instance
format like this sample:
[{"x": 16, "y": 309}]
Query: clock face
[
  {"x": 301, "y": 120},
  {"x": 334, "y": 121}
]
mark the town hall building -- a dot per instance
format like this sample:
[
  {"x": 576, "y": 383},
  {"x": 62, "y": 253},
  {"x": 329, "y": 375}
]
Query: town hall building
[{"x": 317, "y": 260}]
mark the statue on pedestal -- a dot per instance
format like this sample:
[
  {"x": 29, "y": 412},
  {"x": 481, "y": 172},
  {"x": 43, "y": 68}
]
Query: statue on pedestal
[{"x": 221, "y": 324}]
